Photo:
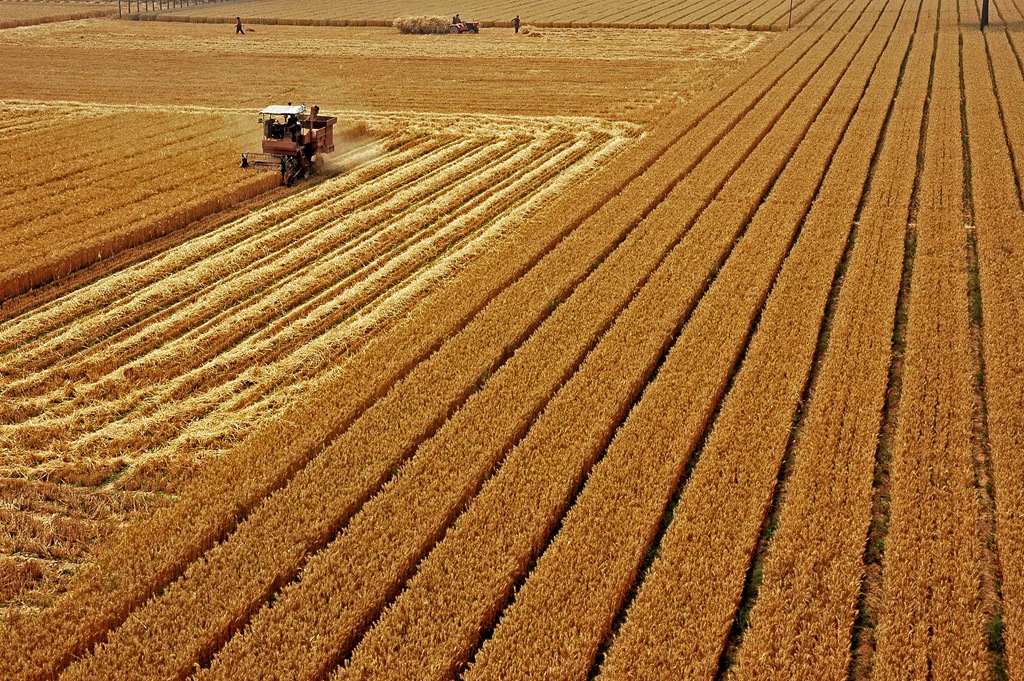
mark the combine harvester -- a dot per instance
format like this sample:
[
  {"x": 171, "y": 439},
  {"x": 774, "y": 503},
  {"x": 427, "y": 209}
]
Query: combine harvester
[{"x": 293, "y": 141}]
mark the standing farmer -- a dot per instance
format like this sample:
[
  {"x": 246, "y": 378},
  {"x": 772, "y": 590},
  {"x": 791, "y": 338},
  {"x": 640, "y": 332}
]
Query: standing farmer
[
  {"x": 515, "y": 23},
  {"x": 238, "y": 26}
]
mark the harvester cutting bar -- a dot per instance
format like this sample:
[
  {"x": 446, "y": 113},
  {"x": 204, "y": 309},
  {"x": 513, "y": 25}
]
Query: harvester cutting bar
[{"x": 253, "y": 158}]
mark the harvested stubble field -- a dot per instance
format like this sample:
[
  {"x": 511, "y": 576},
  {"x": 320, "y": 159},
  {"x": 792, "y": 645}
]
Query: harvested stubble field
[
  {"x": 603, "y": 74},
  {"x": 721, "y": 388},
  {"x": 767, "y": 15},
  {"x": 15, "y": 14}
]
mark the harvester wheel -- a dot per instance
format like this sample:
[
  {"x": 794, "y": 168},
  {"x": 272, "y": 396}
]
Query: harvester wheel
[
  {"x": 453, "y": 29},
  {"x": 290, "y": 170}
]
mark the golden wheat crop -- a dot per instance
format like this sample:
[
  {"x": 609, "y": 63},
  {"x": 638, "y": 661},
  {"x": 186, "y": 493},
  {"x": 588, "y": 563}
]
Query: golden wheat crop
[
  {"x": 187, "y": 343},
  {"x": 931, "y": 622},
  {"x": 819, "y": 544},
  {"x": 998, "y": 224},
  {"x": 386, "y": 430},
  {"x": 141, "y": 387},
  {"x": 454, "y": 462},
  {"x": 681, "y": 616},
  {"x": 556, "y": 151},
  {"x": 584, "y": 576},
  {"x": 88, "y": 611},
  {"x": 83, "y": 608},
  {"x": 494, "y": 548},
  {"x": 587, "y": 372}
]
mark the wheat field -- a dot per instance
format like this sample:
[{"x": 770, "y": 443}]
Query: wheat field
[{"x": 645, "y": 344}]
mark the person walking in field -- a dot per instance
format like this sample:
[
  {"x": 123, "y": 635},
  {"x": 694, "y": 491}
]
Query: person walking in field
[
  {"x": 238, "y": 26},
  {"x": 515, "y": 23}
]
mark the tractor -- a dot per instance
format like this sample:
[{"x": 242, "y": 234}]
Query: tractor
[
  {"x": 464, "y": 27},
  {"x": 293, "y": 141}
]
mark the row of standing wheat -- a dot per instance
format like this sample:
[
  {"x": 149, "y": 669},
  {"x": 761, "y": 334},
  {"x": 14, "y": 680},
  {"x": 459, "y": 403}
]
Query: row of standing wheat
[
  {"x": 687, "y": 603},
  {"x": 992, "y": 101},
  {"x": 931, "y": 619},
  {"x": 57, "y": 15},
  {"x": 819, "y": 544},
  {"x": 587, "y": 572},
  {"x": 590, "y": 397}
]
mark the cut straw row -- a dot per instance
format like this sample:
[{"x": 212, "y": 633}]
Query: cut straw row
[
  {"x": 179, "y": 347},
  {"x": 125, "y": 288},
  {"x": 275, "y": 239},
  {"x": 173, "y": 402}
]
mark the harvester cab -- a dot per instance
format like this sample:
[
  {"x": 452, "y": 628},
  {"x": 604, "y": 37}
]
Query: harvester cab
[{"x": 293, "y": 141}]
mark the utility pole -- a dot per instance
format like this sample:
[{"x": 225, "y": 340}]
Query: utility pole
[
  {"x": 984, "y": 13},
  {"x": 791, "y": 12}
]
